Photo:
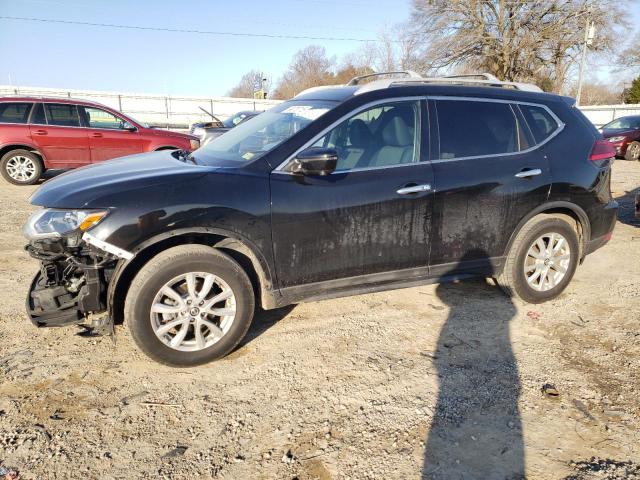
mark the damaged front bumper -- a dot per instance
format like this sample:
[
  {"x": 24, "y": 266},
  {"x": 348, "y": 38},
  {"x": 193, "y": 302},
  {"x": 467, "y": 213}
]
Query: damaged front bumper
[{"x": 71, "y": 286}]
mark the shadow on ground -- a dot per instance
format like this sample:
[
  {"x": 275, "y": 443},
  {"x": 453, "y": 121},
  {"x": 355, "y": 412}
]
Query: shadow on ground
[
  {"x": 626, "y": 213},
  {"x": 476, "y": 432},
  {"x": 263, "y": 320}
]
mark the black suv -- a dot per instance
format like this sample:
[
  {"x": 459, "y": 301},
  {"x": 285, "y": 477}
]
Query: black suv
[{"x": 340, "y": 191}]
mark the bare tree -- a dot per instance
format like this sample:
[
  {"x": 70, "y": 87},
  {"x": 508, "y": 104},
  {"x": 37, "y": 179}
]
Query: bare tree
[
  {"x": 630, "y": 56},
  {"x": 246, "y": 85},
  {"x": 311, "y": 67},
  {"x": 597, "y": 93},
  {"x": 512, "y": 39},
  {"x": 397, "y": 48}
]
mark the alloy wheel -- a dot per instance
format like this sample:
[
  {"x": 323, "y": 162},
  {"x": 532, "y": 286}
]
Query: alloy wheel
[
  {"x": 634, "y": 151},
  {"x": 21, "y": 168},
  {"x": 193, "y": 311},
  {"x": 547, "y": 261}
]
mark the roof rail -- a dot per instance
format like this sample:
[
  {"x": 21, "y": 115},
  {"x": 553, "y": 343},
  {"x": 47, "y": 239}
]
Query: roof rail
[
  {"x": 476, "y": 76},
  {"x": 478, "y": 79},
  {"x": 356, "y": 80},
  {"x": 410, "y": 77}
]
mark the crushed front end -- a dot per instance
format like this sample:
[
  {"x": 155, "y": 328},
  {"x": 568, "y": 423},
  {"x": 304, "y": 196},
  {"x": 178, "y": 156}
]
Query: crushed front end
[{"x": 75, "y": 270}]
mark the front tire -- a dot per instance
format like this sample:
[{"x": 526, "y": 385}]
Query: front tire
[
  {"x": 21, "y": 167},
  {"x": 542, "y": 259},
  {"x": 189, "y": 305},
  {"x": 633, "y": 151}
]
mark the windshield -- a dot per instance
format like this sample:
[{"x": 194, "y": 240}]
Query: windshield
[
  {"x": 235, "y": 119},
  {"x": 624, "y": 123},
  {"x": 251, "y": 140}
]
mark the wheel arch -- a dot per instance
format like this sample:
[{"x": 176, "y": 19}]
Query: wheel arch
[
  {"x": 240, "y": 249},
  {"x": 558, "y": 207},
  {"x": 4, "y": 149}
]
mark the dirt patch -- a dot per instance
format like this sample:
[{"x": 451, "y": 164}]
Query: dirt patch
[{"x": 432, "y": 382}]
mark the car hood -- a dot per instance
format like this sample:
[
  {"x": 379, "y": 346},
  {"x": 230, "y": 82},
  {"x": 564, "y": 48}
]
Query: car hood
[
  {"x": 616, "y": 132},
  {"x": 98, "y": 185},
  {"x": 170, "y": 134}
]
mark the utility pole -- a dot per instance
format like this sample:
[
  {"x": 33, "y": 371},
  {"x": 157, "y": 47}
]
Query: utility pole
[{"x": 589, "y": 33}]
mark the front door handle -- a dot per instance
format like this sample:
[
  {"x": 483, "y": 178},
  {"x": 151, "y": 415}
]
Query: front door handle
[
  {"x": 96, "y": 135},
  {"x": 40, "y": 132},
  {"x": 532, "y": 172},
  {"x": 414, "y": 189}
]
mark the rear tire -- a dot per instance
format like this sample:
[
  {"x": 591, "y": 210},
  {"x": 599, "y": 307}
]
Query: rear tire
[
  {"x": 178, "y": 287},
  {"x": 534, "y": 270},
  {"x": 633, "y": 151},
  {"x": 21, "y": 167}
]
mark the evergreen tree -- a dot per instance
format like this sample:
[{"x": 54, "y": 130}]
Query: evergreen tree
[{"x": 633, "y": 94}]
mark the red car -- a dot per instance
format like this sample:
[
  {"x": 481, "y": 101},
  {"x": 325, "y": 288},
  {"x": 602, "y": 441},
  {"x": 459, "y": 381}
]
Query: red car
[
  {"x": 37, "y": 134},
  {"x": 624, "y": 135}
]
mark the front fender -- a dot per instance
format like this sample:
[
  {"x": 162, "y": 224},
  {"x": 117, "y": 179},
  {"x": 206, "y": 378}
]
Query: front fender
[{"x": 216, "y": 237}]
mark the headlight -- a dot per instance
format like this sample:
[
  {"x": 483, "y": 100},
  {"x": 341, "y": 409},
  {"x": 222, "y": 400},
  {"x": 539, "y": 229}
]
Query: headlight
[
  {"x": 616, "y": 139},
  {"x": 195, "y": 144},
  {"x": 49, "y": 223}
]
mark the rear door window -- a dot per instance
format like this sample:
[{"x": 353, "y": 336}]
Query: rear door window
[
  {"x": 471, "y": 128},
  {"x": 37, "y": 117},
  {"x": 62, "y": 114},
  {"x": 540, "y": 121},
  {"x": 17, "y": 112}
]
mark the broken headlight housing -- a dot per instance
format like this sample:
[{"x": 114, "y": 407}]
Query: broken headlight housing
[{"x": 53, "y": 223}]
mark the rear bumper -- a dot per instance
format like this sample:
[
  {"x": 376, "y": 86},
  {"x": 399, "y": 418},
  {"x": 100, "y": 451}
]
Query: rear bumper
[
  {"x": 603, "y": 228},
  {"x": 595, "y": 243}
]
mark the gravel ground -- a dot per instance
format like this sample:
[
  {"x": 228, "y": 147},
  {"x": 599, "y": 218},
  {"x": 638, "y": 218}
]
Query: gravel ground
[{"x": 439, "y": 382}]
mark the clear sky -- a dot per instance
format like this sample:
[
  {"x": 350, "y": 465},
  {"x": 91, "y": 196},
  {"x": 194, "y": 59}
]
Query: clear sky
[{"x": 97, "y": 58}]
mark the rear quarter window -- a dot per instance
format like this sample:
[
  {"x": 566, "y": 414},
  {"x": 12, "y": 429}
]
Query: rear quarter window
[
  {"x": 62, "y": 114},
  {"x": 540, "y": 121},
  {"x": 17, "y": 112}
]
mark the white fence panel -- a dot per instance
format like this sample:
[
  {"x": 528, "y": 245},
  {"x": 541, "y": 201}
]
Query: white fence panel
[
  {"x": 602, "y": 114},
  {"x": 180, "y": 112},
  {"x": 160, "y": 110}
]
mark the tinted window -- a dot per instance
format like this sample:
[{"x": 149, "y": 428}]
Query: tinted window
[
  {"x": 97, "y": 118},
  {"x": 62, "y": 114},
  {"x": 469, "y": 128},
  {"x": 381, "y": 136},
  {"x": 14, "y": 112},
  {"x": 38, "y": 115},
  {"x": 540, "y": 122}
]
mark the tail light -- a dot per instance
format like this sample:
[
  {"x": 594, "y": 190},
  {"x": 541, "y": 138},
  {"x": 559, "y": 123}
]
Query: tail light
[{"x": 602, "y": 150}]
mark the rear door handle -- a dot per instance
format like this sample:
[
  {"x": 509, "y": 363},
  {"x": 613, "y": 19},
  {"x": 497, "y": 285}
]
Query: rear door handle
[
  {"x": 529, "y": 173},
  {"x": 414, "y": 189},
  {"x": 40, "y": 132},
  {"x": 96, "y": 135}
]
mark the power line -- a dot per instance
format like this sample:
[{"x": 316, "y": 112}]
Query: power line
[{"x": 181, "y": 30}]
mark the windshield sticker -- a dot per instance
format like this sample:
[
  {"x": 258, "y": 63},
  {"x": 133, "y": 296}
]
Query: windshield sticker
[
  {"x": 306, "y": 111},
  {"x": 248, "y": 155}
]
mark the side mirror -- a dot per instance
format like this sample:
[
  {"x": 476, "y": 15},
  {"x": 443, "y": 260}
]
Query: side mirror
[
  {"x": 315, "y": 161},
  {"x": 128, "y": 127}
]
